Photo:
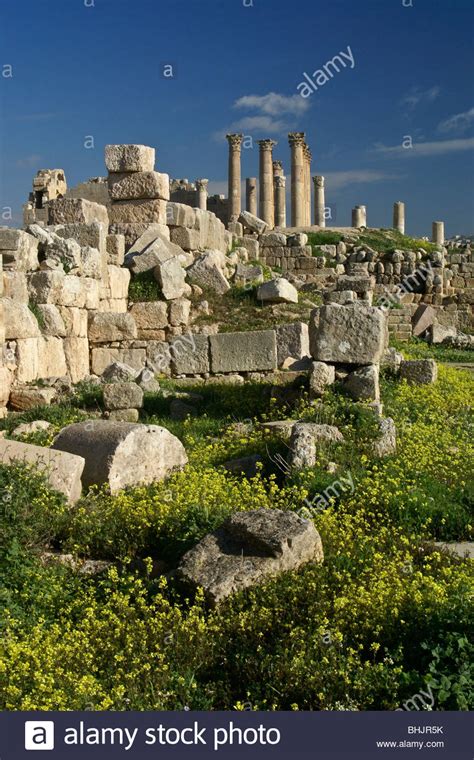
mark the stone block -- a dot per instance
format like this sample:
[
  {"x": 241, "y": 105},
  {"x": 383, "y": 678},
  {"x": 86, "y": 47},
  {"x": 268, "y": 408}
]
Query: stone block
[
  {"x": 386, "y": 442},
  {"x": 243, "y": 352},
  {"x": 23, "y": 254},
  {"x": 306, "y": 439},
  {"x": 150, "y": 315},
  {"x": 149, "y": 251},
  {"x": 46, "y": 287},
  {"x": 249, "y": 549},
  {"x": 129, "y": 158},
  {"x": 5, "y": 385},
  {"x": 123, "y": 396},
  {"x": 419, "y": 371},
  {"x": 277, "y": 291},
  {"x": 363, "y": 383},
  {"x": 19, "y": 320},
  {"x": 171, "y": 277},
  {"x": 206, "y": 273},
  {"x": 179, "y": 312},
  {"x": 62, "y": 470},
  {"x": 252, "y": 245},
  {"x": 76, "y": 211},
  {"x": 252, "y": 223},
  {"x": 122, "y": 454},
  {"x": 189, "y": 355},
  {"x": 124, "y": 186},
  {"x": 115, "y": 246},
  {"x": 51, "y": 358},
  {"x": 292, "y": 341},
  {"x": 27, "y": 360},
  {"x": 187, "y": 239},
  {"x": 102, "y": 357},
  {"x": 159, "y": 357},
  {"x": 15, "y": 286},
  {"x": 320, "y": 377},
  {"x": 76, "y": 352},
  {"x": 75, "y": 321},
  {"x": 422, "y": 319},
  {"x": 106, "y": 328},
  {"x": 23, "y": 399},
  {"x": 138, "y": 212},
  {"x": 132, "y": 232},
  {"x": 93, "y": 235},
  {"x": 352, "y": 334},
  {"x": 119, "y": 281}
]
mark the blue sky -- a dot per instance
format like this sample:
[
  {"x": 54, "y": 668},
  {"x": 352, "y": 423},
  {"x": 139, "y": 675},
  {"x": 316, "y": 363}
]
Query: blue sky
[{"x": 84, "y": 68}]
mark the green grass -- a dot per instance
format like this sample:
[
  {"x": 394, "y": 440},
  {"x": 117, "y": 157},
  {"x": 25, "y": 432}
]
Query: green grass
[
  {"x": 144, "y": 287},
  {"x": 387, "y": 240},
  {"x": 419, "y": 349},
  {"x": 324, "y": 238}
]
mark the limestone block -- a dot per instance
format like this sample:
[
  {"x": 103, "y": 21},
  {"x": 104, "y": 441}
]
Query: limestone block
[
  {"x": 306, "y": 438},
  {"x": 22, "y": 255},
  {"x": 117, "y": 305},
  {"x": 342, "y": 297},
  {"x": 27, "y": 360},
  {"x": 62, "y": 470},
  {"x": 187, "y": 239},
  {"x": 122, "y": 454},
  {"x": 51, "y": 320},
  {"x": 119, "y": 281},
  {"x": 419, "y": 371},
  {"x": 123, "y": 396},
  {"x": 277, "y": 291},
  {"x": 357, "y": 283},
  {"x": 5, "y": 385},
  {"x": 320, "y": 377},
  {"x": 125, "y": 186},
  {"x": 159, "y": 357},
  {"x": 206, "y": 273},
  {"x": 132, "y": 232},
  {"x": 189, "y": 355},
  {"x": 118, "y": 372},
  {"x": 273, "y": 238},
  {"x": 180, "y": 215},
  {"x": 15, "y": 286},
  {"x": 75, "y": 321},
  {"x": 124, "y": 415},
  {"x": 147, "y": 253},
  {"x": 76, "y": 351},
  {"x": 92, "y": 262},
  {"x": 73, "y": 292},
  {"x": 250, "y": 548},
  {"x": 179, "y": 312},
  {"x": 106, "y": 328},
  {"x": 22, "y": 399},
  {"x": 76, "y": 211},
  {"x": 171, "y": 277},
  {"x": 102, "y": 357},
  {"x": 352, "y": 334},
  {"x": 129, "y": 158},
  {"x": 138, "y": 212},
  {"x": 363, "y": 383},
  {"x": 150, "y": 315},
  {"x": 292, "y": 341},
  {"x": 91, "y": 294},
  {"x": 19, "y": 320},
  {"x": 115, "y": 246},
  {"x": 422, "y": 319},
  {"x": 386, "y": 442},
  {"x": 46, "y": 287},
  {"x": 51, "y": 358},
  {"x": 93, "y": 235},
  {"x": 243, "y": 352},
  {"x": 438, "y": 333},
  {"x": 252, "y": 245},
  {"x": 252, "y": 223}
]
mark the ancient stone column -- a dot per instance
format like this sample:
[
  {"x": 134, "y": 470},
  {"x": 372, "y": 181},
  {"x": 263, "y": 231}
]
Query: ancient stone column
[
  {"x": 251, "y": 195},
  {"x": 359, "y": 216},
  {"x": 267, "y": 209},
  {"x": 319, "y": 201},
  {"x": 399, "y": 217},
  {"x": 278, "y": 169},
  {"x": 201, "y": 193},
  {"x": 438, "y": 233},
  {"x": 297, "y": 142},
  {"x": 235, "y": 201},
  {"x": 308, "y": 157},
  {"x": 280, "y": 200}
]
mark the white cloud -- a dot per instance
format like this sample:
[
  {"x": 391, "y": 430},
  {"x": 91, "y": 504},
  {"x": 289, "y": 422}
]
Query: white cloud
[
  {"x": 273, "y": 103},
  {"x": 435, "y": 148},
  {"x": 339, "y": 180},
  {"x": 458, "y": 123},
  {"x": 29, "y": 162},
  {"x": 415, "y": 96}
]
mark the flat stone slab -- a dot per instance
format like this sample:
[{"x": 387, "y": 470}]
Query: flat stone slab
[
  {"x": 250, "y": 548},
  {"x": 122, "y": 454},
  {"x": 243, "y": 352},
  {"x": 62, "y": 470},
  {"x": 462, "y": 549}
]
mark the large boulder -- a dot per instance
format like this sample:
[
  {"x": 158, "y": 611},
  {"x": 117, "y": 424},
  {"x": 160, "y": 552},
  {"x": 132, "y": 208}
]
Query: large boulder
[
  {"x": 249, "y": 549},
  {"x": 62, "y": 470},
  {"x": 277, "y": 291},
  {"x": 122, "y": 454},
  {"x": 352, "y": 334},
  {"x": 306, "y": 438}
]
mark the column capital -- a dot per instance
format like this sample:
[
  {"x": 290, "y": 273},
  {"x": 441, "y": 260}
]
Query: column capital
[
  {"x": 278, "y": 167},
  {"x": 318, "y": 180},
  {"x": 201, "y": 184},
  {"x": 297, "y": 139},
  {"x": 267, "y": 144},
  {"x": 235, "y": 141},
  {"x": 280, "y": 181}
]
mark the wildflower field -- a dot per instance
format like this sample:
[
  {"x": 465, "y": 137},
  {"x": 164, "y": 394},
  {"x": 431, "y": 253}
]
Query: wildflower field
[{"x": 388, "y": 613}]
